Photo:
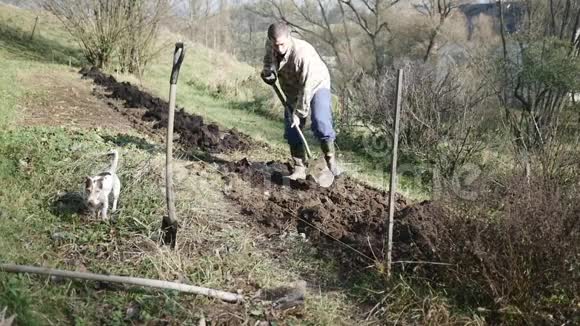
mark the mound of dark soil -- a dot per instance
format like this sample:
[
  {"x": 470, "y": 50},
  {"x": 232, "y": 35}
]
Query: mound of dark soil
[
  {"x": 418, "y": 228},
  {"x": 348, "y": 212},
  {"x": 194, "y": 133}
]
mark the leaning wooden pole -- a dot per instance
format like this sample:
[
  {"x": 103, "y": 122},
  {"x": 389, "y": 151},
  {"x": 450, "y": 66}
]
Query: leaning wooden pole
[
  {"x": 170, "y": 221},
  {"x": 225, "y": 296},
  {"x": 393, "y": 186},
  {"x": 34, "y": 28}
]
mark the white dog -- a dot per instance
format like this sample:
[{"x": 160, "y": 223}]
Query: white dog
[{"x": 99, "y": 188}]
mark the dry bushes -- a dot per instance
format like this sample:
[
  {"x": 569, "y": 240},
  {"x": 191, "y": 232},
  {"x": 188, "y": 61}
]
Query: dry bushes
[
  {"x": 105, "y": 29},
  {"x": 442, "y": 121},
  {"x": 514, "y": 250}
]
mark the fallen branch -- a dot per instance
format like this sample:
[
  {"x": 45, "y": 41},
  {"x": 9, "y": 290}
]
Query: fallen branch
[
  {"x": 225, "y": 296},
  {"x": 6, "y": 321},
  {"x": 421, "y": 262}
]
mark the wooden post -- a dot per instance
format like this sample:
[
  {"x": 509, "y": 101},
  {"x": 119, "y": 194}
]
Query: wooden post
[
  {"x": 34, "y": 28},
  {"x": 393, "y": 186}
]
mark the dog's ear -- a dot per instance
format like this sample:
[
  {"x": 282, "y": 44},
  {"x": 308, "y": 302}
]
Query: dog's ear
[{"x": 88, "y": 182}]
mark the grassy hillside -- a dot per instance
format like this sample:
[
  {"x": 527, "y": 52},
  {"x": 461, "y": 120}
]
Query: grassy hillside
[{"x": 42, "y": 169}]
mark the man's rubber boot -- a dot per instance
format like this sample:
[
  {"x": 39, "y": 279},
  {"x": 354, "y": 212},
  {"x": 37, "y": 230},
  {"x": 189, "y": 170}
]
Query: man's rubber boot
[
  {"x": 330, "y": 157},
  {"x": 299, "y": 158}
]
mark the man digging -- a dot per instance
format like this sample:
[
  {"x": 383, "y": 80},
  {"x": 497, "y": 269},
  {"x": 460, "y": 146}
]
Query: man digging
[{"x": 305, "y": 80}]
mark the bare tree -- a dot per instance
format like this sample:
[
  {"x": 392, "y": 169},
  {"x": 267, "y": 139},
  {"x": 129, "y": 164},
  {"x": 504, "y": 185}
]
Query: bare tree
[
  {"x": 335, "y": 24},
  {"x": 138, "y": 46},
  {"x": 97, "y": 25},
  {"x": 444, "y": 116},
  {"x": 437, "y": 11},
  {"x": 371, "y": 19},
  {"x": 213, "y": 23},
  {"x": 100, "y": 26},
  {"x": 309, "y": 18},
  {"x": 540, "y": 67},
  {"x": 197, "y": 9}
]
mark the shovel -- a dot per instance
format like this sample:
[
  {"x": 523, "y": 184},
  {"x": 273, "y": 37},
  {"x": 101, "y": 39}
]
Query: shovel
[
  {"x": 170, "y": 222},
  {"x": 319, "y": 170}
]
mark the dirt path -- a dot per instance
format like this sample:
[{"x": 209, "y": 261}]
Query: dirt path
[{"x": 67, "y": 100}]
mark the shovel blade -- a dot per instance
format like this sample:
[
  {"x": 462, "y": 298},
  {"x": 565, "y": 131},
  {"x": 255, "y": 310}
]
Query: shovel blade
[
  {"x": 325, "y": 179},
  {"x": 321, "y": 173}
]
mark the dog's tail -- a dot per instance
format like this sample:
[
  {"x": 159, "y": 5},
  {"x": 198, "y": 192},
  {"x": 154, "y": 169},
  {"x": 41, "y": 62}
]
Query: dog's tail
[{"x": 115, "y": 161}]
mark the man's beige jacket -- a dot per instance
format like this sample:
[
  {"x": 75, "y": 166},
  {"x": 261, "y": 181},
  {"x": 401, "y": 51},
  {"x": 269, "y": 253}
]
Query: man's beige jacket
[{"x": 301, "y": 73}]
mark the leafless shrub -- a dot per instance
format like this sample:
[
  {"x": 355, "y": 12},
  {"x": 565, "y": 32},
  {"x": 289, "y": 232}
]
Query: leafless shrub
[
  {"x": 442, "y": 114},
  {"x": 104, "y": 28},
  {"x": 513, "y": 251},
  {"x": 139, "y": 43}
]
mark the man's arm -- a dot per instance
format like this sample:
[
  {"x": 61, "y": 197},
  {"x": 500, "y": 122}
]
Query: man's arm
[
  {"x": 313, "y": 74},
  {"x": 269, "y": 61},
  {"x": 269, "y": 69},
  {"x": 307, "y": 84}
]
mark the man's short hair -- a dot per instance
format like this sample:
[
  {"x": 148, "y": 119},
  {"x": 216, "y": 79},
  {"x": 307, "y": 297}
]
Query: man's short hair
[{"x": 278, "y": 29}]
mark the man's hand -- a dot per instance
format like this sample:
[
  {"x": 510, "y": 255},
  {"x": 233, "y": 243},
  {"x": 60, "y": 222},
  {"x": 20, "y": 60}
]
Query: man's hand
[
  {"x": 295, "y": 120},
  {"x": 268, "y": 76}
]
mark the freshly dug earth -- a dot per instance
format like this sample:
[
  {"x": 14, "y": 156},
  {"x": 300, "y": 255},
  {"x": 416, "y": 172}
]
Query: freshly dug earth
[
  {"x": 193, "y": 132},
  {"x": 346, "y": 221}
]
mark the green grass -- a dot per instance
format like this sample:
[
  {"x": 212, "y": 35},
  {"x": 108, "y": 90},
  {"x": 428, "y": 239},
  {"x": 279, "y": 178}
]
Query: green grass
[
  {"x": 19, "y": 55},
  {"x": 42, "y": 170},
  {"x": 43, "y": 228},
  {"x": 50, "y": 43},
  {"x": 38, "y": 226},
  {"x": 9, "y": 92}
]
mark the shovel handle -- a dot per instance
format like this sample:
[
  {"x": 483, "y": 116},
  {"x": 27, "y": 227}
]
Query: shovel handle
[
  {"x": 177, "y": 60},
  {"x": 304, "y": 141},
  {"x": 281, "y": 97},
  {"x": 169, "y": 224}
]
